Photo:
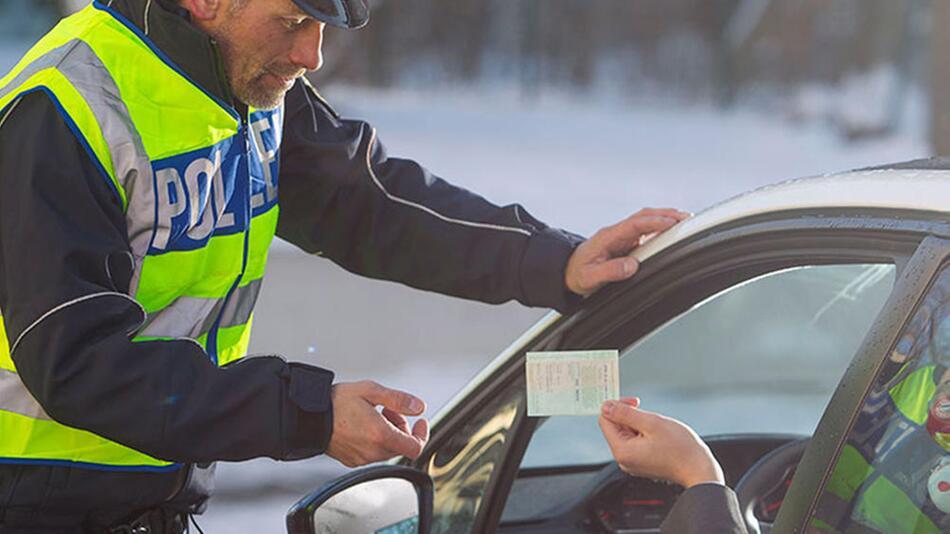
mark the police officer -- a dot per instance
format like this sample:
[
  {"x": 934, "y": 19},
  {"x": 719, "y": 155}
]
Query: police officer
[{"x": 142, "y": 147}]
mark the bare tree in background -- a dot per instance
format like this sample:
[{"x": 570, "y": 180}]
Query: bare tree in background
[
  {"x": 697, "y": 49},
  {"x": 940, "y": 78}
]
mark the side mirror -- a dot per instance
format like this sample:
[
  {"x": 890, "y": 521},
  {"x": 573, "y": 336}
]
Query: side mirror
[{"x": 387, "y": 499}]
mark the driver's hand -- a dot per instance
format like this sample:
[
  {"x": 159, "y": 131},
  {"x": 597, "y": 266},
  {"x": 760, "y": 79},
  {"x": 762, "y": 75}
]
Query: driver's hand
[
  {"x": 654, "y": 446},
  {"x": 363, "y": 435}
]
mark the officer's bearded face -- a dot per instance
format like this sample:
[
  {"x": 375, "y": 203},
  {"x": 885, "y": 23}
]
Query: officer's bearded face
[{"x": 266, "y": 45}]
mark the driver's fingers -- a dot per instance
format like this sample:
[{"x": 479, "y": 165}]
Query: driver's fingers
[
  {"x": 611, "y": 432},
  {"x": 626, "y": 415},
  {"x": 632, "y": 401},
  {"x": 615, "y": 434}
]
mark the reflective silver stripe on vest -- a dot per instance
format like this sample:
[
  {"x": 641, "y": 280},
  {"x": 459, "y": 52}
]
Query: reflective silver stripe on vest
[
  {"x": 80, "y": 65},
  {"x": 48, "y": 60},
  {"x": 192, "y": 316},
  {"x": 241, "y": 304},
  {"x": 130, "y": 161},
  {"x": 14, "y": 397}
]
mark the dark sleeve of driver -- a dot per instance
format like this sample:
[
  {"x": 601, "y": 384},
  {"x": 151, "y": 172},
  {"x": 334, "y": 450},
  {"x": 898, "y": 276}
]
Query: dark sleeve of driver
[
  {"x": 705, "y": 509},
  {"x": 343, "y": 196},
  {"x": 64, "y": 281}
]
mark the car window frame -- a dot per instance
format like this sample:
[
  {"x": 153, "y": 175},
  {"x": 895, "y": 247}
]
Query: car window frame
[
  {"x": 835, "y": 426},
  {"x": 508, "y": 376},
  {"x": 732, "y": 252},
  {"x": 810, "y": 237},
  {"x": 726, "y": 252}
]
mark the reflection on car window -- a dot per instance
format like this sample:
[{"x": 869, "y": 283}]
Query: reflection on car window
[
  {"x": 762, "y": 356},
  {"x": 462, "y": 467},
  {"x": 893, "y": 474}
]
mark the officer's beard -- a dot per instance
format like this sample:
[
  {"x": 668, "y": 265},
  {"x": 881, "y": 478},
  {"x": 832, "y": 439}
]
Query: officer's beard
[{"x": 261, "y": 87}]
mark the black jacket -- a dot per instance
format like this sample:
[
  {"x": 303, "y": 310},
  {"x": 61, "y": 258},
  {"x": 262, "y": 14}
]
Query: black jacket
[
  {"x": 705, "y": 509},
  {"x": 63, "y": 236}
]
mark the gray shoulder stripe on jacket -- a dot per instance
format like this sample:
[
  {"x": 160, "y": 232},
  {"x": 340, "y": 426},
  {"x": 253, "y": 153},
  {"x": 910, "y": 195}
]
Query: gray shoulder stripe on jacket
[
  {"x": 430, "y": 211},
  {"x": 148, "y": 7},
  {"x": 71, "y": 303}
]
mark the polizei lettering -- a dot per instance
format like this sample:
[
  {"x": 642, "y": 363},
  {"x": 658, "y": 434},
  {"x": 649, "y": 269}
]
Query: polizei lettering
[{"x": 217, "y": 190}]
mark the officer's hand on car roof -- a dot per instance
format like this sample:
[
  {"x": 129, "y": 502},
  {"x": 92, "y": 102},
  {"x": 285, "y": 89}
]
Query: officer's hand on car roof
[
  {"x": 605, "y": 256},
  {"x": 655, "y": 446},
  {"x": 363, "y": 435}
]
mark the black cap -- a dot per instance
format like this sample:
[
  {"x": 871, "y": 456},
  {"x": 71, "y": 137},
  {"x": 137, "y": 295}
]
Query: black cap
[{"x": 350, "y": 14}]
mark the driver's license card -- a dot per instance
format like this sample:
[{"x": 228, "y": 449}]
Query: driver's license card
[{"x": 571, "y": 382}]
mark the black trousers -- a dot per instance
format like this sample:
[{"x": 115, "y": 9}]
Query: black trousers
[{"x": 151, "y": 522}]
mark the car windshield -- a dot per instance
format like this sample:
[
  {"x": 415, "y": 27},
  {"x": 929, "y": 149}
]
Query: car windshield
[{"x": 761, "y": 356}]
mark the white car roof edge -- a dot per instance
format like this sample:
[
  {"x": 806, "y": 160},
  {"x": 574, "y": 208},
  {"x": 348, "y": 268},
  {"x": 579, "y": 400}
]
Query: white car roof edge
[{"x": 897, "y": 189}]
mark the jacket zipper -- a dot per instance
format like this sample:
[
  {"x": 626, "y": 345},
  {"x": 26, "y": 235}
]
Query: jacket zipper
[{"x": 248, "y": 213}]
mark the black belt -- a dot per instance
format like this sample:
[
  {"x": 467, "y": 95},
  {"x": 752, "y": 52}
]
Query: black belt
[{"x": 154, "y": 522}]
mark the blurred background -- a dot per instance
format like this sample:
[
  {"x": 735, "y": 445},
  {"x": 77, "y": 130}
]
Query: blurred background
[{"x": 583, "y": 111}]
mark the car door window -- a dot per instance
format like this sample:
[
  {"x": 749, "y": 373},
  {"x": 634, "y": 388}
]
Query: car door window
[
  {"x": 893, "y": 472},
  {"x": 462, "y": 466},
  {"x": 761, "y": 356}
]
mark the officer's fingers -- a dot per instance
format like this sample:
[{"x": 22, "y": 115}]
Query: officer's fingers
[
  {"x": 397, "y": 419},
  {"x": 641, "y": 221},
  {"x": 615, "y": 270},
  {"x": 380, "y": 440},
  {"x": 404, "y": 444},
  {"x": 624, "y": 236},
  {"x": 664, "y": 212},
  {"x": 420, "y": 431},
  {"x": 395, "y": 400}
]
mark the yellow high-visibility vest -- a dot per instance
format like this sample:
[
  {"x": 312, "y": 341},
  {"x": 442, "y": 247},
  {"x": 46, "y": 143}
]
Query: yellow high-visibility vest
[{"x": 198, "y": 185}]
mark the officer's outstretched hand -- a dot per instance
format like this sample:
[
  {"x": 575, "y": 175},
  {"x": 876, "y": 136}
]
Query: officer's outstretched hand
[
  {"x": 654, "y": 446},
  {"x": 363, "y": 435},
  {"x": 605, "y": 257}
]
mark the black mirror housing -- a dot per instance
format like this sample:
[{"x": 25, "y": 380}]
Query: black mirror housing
[{"x": 300, "y": 517}]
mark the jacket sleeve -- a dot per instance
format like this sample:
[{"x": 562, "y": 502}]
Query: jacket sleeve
[
  {"x": 705, "y": 509},
  {"x": 64, "y": 279},
  {"x": 343, "y": 196}
]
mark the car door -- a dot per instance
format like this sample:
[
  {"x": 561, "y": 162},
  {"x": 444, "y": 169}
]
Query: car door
[
  {"x": 478, "y": 454},
  {"x": 880, "y": 458}
]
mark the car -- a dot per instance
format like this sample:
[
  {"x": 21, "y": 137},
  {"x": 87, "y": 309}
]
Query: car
[{"x": 803, "y": 330}]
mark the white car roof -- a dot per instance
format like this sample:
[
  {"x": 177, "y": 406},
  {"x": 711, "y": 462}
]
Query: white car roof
[{"x": 926, "y": 190}]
